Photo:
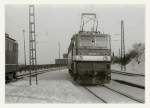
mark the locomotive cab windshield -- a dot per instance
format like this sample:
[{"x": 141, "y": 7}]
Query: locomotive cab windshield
[
  {"x": 99, "y": 41},
  {"x": 93, "y": 47}
]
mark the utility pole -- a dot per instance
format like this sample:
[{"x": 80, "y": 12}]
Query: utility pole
[
  {"x": 59, "y": 49},
  {"x": 119, "y": 52},
  {"x": 123, "y": 64},
  {"x": 59, "y": 56},
  {"x": 23, "y": 33},
  {"x": 32, "y": 44}
]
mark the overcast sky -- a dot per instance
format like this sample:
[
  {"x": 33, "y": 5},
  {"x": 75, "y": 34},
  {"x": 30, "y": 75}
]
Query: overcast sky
[{"x": 57, "y": 23}]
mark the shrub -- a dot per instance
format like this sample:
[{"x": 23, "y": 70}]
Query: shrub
[{"x": 137, "y": 50}]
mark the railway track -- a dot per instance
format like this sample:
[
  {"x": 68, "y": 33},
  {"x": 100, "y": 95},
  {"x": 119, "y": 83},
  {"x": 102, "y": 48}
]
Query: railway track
[
  {"x": 38, "y": 72},
  {"x": 18, "y": 77},
  {"x": 127, "y": 73},
  {"x": 100, "y": 98},
  {"x": 124, "y": 94},
  {"x": 32, "y": 74},
  {"x": 127, "y": 79},
  {"x": 112, "y": 90},
  {"x": 129, "y": 83}
]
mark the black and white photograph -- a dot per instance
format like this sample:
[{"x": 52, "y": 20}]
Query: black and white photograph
[{"x": 75, "y": 53}]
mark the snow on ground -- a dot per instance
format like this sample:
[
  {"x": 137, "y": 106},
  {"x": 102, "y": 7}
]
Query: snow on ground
[
  {"x": 110, "y": 96},
  {"x": 53, "y": 87},
  {"x": 137, "y": 65},
  {"x": 131, "y": 79},
  {"x": 132, "y": 91},
  {"x": 133, "y": 66},
  {"x": 57, "y": 87}
]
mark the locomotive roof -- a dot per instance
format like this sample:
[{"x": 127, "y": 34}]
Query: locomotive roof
[
  {"x": 7, "y": 36},
  {"x": 89, "y": 33}
]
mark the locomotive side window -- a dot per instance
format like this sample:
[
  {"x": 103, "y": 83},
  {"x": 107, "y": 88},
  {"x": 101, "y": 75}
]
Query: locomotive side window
[
  {"x": 10, "y": 46},
  {"x": 14, "y": 47},
  {"x": 6, "y": 43}
]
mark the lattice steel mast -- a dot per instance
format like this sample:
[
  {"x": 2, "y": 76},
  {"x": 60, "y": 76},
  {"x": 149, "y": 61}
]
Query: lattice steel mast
[{"x": 32, "y": 44}]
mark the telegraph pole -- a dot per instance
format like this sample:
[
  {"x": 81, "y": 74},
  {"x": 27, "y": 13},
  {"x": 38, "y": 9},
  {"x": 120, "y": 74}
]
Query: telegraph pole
[
  {"x": 121, "y": 46},
  {"x": 59, "y": 50},
  {"x": 59, "y": 54},
  {"x": 119, "y": 52},
  {"x": 123, "y": 64},
  {"x": 32, "y": 43},
  {"x": 23, "y": 32},
  {"x": 124, "y": 54}
]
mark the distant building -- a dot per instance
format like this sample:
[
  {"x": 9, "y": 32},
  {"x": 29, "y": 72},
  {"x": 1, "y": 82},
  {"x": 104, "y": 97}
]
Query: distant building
[{"x": 62, "y": 61}]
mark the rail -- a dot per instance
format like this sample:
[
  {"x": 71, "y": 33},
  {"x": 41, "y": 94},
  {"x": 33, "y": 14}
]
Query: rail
[
  {"x": 38, "y": 72},
  {"x": 127, "y": 73},
  {"x": 124, "y": 94},
  {"x": 113, "y": 90},
  {"x": 104, "y": 101},
  {"x": 38, "y": 67}
]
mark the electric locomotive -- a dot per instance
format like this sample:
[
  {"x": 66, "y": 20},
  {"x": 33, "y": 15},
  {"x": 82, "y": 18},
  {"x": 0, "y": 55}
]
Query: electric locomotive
[
  {"x": 89, "y": 56},
  {"x": 11, "y": 58}
]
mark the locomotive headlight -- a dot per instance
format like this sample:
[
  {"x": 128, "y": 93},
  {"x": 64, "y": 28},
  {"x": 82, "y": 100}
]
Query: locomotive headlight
[
  {"x": 80, "y": 57},
  {"x": 105, "y": 58}
]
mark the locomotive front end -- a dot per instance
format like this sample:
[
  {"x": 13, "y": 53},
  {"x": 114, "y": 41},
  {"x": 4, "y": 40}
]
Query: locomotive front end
[{"x": 93, "y": 58}]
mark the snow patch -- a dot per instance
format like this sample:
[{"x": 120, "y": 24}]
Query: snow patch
[
  {"x": 53, "y": 87},
  {"x": 137, "y": 64}
]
